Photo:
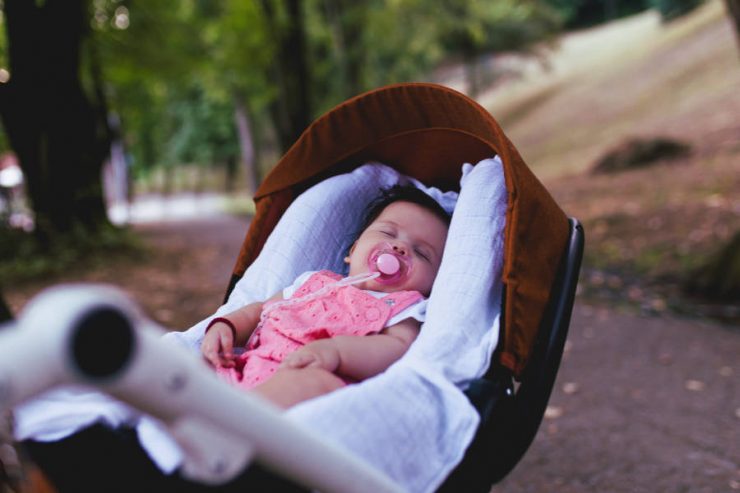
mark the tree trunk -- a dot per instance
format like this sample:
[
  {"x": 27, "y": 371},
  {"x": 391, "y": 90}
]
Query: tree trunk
[
  {"x": 5, "y": 313},
  {"x": 347, "y": 19},
  {"x": 610, "y": 10},
  {"x": 246, "y": 144},
  {"x": 52, "y": 126},
  {"x": 291, "y": 111},
  {"x": 733, "y": 9},
  {"x": 472, "y": 72}
]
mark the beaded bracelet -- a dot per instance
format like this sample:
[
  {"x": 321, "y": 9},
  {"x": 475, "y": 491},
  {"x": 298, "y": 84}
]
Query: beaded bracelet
[{"x": 223, "y": 320}]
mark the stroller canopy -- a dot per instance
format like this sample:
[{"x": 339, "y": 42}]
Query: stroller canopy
[{"x": 427, "y": 131}]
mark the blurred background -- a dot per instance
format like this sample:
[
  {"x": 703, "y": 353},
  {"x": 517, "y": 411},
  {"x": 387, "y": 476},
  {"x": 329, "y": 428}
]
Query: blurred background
[{"x": 135, "y": 133}]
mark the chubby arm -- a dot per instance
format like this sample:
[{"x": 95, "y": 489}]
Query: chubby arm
[
  {"x": 218, "y": 343},
  {"x": 357, "y": 357}
]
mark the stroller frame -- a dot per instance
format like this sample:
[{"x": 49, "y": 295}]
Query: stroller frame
[{"x": 509, "y": 418}]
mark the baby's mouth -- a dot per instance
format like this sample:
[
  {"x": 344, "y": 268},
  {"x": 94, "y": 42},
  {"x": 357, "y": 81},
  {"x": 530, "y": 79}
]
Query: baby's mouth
[{"x": 392, "y": 266}]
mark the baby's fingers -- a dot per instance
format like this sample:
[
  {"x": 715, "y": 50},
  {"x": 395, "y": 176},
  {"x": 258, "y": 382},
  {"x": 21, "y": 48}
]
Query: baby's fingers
[
  {"x": 215, "y": 355},
  {"x": 227, "y": 350},
  {"x": 211, "y": 356}
]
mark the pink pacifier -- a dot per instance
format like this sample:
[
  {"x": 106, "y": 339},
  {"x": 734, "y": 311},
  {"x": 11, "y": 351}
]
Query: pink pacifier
[{"x": 392, "y": 266}]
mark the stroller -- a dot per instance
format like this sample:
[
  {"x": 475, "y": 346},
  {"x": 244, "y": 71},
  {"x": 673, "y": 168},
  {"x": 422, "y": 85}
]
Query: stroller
[{"x": 424, "y": 131}]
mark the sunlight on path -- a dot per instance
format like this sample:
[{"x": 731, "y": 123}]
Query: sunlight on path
[{"x": 185, "y": 206}]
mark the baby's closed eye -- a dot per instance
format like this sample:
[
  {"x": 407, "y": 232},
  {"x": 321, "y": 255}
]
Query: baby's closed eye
[{"x": 422, "y": 254}]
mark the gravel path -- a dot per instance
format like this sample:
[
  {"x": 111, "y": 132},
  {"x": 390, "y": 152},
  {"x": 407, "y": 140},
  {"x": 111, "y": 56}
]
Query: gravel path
[{"x": 640, "y": 405}]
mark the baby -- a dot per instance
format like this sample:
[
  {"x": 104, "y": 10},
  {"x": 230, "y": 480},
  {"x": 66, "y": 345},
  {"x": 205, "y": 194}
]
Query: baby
[{"x": 333, "y": 330}]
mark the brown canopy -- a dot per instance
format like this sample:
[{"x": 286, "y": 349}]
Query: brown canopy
[{"x": 427, "y": 131}]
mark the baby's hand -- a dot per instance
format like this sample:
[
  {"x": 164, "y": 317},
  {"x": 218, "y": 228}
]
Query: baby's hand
[
  {"x": 217, "y": 346},
  {"x": 317, "y": 354}
]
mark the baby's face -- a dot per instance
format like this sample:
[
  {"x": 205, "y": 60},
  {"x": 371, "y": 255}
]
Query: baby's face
[{"x": 411, "y": 229}]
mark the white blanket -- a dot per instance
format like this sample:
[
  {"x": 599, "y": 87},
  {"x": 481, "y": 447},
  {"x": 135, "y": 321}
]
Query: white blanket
[{"x": 413, "y": 422}]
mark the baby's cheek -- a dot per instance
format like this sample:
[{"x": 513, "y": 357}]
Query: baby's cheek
[{"x": 429, "y": 279}]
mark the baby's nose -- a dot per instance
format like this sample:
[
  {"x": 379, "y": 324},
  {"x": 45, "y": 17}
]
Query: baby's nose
[{"x": 400, "y": 249}]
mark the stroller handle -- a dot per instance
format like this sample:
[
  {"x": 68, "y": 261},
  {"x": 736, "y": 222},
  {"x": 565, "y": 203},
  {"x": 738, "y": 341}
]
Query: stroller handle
[{"x": 96, "y": 336}]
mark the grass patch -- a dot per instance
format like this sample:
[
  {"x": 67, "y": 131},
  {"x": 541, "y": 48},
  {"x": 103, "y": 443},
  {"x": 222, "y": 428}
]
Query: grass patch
[
  {"x": 23, "y": 258},
  {"x": 719, "y": 276}
]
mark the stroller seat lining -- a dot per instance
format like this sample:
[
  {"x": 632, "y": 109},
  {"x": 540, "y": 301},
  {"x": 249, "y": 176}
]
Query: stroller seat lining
[{"x": 421, "y": 395}]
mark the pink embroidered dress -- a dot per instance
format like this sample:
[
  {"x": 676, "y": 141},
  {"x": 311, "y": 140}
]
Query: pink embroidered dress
[{"x": 320, "y": 308}]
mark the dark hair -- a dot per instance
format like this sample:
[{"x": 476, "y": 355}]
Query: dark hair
[{"x": 401, "y": 193}]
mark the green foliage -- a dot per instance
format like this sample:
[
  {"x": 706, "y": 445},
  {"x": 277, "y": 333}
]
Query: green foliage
[
  {"x": 205, "y": 130},
  {"x": 173, "y": 71},
  {"x": 670, "y": 9},
  {"x": 22, "y": 257},
  {"x": 584, "y": 13},
  {"x": 479, "y": 26},
  {"x": 357, "y": 46},
  {"x": 173, "y": 68},
  {"x": 467, "y": 30},
  {"x": 4, "y": 147}
]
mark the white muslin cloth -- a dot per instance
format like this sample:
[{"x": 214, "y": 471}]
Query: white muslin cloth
[{"x": 413, "y": 421}]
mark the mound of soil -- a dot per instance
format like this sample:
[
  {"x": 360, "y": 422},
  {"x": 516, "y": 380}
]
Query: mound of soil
[{"x": 639, "y": 153}]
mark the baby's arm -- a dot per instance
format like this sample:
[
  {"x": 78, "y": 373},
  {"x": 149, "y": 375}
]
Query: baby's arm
[
  {"x": 356, "y": 357},
  {"x": 219, "y": 341}
]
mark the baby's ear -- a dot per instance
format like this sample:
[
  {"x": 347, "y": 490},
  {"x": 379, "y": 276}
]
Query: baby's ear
[{"x": 351, "y": 249}]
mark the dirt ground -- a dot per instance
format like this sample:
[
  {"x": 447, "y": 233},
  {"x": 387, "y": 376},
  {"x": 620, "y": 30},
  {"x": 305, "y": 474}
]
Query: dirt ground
[
  {"x": 178, "y": 278},
  {"x": 648, "y": 230}
]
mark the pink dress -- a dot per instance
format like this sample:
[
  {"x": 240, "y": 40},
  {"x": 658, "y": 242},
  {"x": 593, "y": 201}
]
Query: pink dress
[{"x": 318, "y": 309}]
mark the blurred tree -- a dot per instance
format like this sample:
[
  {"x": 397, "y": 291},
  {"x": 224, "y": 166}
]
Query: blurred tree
[
  {"x": 584, "y": 13},
  {"x": 291, "y": 110},
  {"x": 242, "y": 52},
  {"x": 5, "y": 313},
  {"x": 357, "y": 46},
  {"x": 150, "y": 58},
  {"x": 733, "y": 10},
  {"x": 339, "y": 35},
  {"x": 4, "y": 74},
  {"x": 205, "y": 130},
  {"x": 469, "y": 29},
  {"x": 56, "y": 126},
  {"x": 670, "y": 9},
  {"x": 178, "y": 60},
  {"x": 277, "y": 63}
]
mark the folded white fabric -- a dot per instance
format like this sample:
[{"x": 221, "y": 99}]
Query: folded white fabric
[
  {"x": 413, "y": 422},
  {"x": 60, "y": 412},
  {"x": 417, "y": 405}
]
